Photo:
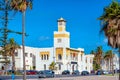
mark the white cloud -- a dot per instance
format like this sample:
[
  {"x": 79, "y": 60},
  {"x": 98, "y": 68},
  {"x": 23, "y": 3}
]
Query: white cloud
[
  {"x": 42, "y": 38},
  {"x": 105, "y": 40}
]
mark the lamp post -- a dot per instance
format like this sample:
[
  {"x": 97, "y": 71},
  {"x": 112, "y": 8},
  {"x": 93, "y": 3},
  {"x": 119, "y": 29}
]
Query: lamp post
[{"x": 23, "y": 44}]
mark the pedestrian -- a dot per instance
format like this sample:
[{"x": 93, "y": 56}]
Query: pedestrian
[{"x": 13, "y": 75}]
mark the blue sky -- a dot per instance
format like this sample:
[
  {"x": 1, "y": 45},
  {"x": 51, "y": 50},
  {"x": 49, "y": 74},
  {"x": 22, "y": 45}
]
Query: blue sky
[{"x": 81, "y": 17}]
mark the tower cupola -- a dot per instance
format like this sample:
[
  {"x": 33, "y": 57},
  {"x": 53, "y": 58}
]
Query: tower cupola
[{"x": 61, "y": 25}]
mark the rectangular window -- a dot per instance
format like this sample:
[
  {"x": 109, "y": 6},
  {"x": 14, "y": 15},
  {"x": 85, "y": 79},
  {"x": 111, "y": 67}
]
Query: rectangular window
[
  {"x": 59, "y": 40},
  {"x": 81, "y": 57},
  {"x": 30, "y": 54},
  {"x": 44, "y": 66},
  {"x": 26, "y": 54},
  {"x": 59, "y": 67},
  {"x": 90, "y": 60},
  {"x": 86, "y": 59}
]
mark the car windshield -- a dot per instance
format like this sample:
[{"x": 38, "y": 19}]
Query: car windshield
[
  {"x": 40, "y": 72},
  {"x": 76, "y": 71},
  {"x": 66, "y": 71}
]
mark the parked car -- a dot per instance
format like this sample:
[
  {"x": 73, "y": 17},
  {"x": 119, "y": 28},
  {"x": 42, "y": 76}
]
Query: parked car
[
  {"x": 65, "y": 72},
  {"x": 46, "y": 73},
  {"x": 84, "y": 73},
  {"x": 105, "y": 72},
  {"x": 31, "y": 72},
  {"x": 76, "y": 72},
  {"x": 99, "y": 72}
]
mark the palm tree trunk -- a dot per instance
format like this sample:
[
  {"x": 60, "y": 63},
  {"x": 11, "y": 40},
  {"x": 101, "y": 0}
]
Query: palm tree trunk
[
  {"x": 23, "y": 44},
  {"x": 110, "y": 66},
  {"x": 107, "y": 65}
]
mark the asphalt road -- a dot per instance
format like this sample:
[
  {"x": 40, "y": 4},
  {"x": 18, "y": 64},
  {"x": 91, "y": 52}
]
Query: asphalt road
[{"x": 64, "y": 77}]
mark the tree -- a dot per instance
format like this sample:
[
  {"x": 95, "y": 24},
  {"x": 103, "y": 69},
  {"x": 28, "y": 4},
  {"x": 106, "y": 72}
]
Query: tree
[
  {"x": 21, "y": 5},
  {"x": 10, "y": 48},
  {"x": 5, "y": 11},
  {"x": 99, "y": 53},
  {"x": 111, "y": 24},
  {"x": 92, "y": 52},
  {"x": 52, "y": 66},
  {"x": 97, "y": 60},
  {"x": 4, "y": 17}
]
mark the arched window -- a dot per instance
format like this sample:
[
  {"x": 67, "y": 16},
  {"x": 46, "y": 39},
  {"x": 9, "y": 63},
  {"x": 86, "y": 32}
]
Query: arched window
[
  {"x": 44, "y": 57},
  {"x": 47, "y": 57}
]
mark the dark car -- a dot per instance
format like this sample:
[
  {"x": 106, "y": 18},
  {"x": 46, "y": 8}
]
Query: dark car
[
  {"x": 99, "y": 72},
  {"x": 65, "y": 72},
  {"x": 84, "y": 73},
  {"x": 76, "y": 72},
  {"x": 31, "y": 72},
  {"x": 46, "y": 73}
]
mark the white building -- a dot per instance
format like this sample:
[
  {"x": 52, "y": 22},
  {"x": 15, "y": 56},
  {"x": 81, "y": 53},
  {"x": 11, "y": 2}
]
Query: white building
[
  {"x": 65, "y": 57},
  {"x": 106, "y": 65}
]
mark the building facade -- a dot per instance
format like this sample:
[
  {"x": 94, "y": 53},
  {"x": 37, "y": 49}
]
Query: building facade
[
  {"x": 108, "y": 65},
  {"x": 65, "y": 57}
]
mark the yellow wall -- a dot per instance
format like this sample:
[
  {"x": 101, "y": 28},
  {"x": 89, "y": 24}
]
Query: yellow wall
[
  {"x": 59, "y": 51},
  {"x": 61, "y": 35},
  {"x": 60, "y": 28},
  {"x": 68, "y": 51}
]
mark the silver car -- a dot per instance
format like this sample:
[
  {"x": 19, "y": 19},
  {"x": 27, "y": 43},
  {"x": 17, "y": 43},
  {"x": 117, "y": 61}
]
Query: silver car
[{"x": 45, "y": 74}]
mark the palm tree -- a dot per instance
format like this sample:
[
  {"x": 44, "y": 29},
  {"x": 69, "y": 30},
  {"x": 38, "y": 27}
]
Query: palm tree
[
  {"x": 21, "y": 5},
  {"x": 10, "y": 48},
  {"x": 52, "y": 66},
  {"x": 99, "y": 54},
  {"x": 111, "y": 24},
  {"x": 92, "y": 52}
]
